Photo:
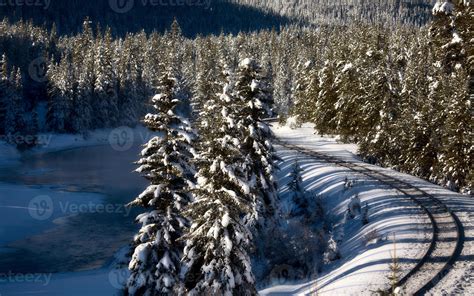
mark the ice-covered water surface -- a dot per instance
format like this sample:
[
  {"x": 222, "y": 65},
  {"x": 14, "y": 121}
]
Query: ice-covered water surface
[{"x": 64, "y": 211}]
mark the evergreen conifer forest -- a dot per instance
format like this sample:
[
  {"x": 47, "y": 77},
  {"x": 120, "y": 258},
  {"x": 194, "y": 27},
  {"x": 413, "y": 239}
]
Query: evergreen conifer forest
[{"x": 209, "y": 80}]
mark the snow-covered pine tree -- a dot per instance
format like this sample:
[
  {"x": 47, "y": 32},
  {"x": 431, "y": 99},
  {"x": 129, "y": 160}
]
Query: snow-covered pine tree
[
  {"x": 348, "y": 88},
  {"x": 267, "y": 67},
  {"x": 177, "y": 52},
  {"x": 216, "y": 253},
  {"x": 251, "y": 90},
  {"x": 106, "y": 88},
  {"x": 332, "y": 250},
  {"x": 152, "y": 64},
  {"x": 166, "y": 162},
  {"x": 410, "y": 137},
  {"x": 402, "y": 120},
  {"x": 312, "y": 93},
  {"x": 429, "y": 126},
  {"x": 188, "y": 75},
  {"x": 208, "y": 126},
  {"x": 457, "y": 152},
  {"x": 144, "y": 84},
  {"x": 60, "y": 86},
  {"x": 81, "y": 109},
  {"x": 324, "y": 116},
  {"x": 15, "y": 123},
  {"x": 298, "y": 196},
  {"x": 379, "y": 110},
  {"x": 86, "y": 38},
  {"x": 282, "y": 87},
  {"x": 300, "y": 93},
  {"x": 129, "y": 98},
  {"x": 82, "y": 57},
  {"x": 452, "y": 33},
  {"x": 174, "y": 42},
  {"x": 204, "y": 86},
  {"x": 18, "y": 102},
  {"x": 4, "y": 97}
]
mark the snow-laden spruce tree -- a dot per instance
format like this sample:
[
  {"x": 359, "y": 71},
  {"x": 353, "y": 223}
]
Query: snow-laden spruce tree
[
  {"x": 204, "y": 84},
  {"x": 15, "y": 123},
  {"x": 324, "y": 116},
  {"x": 166, "y": 163},
  {"x": 84, "y": 75},
  {"x": 130, "y": 83},
  {"x": 60, "y": 78},
  {"x": 106, "y": 91},
  {"x": 207, "y": 125},
  {"x": 252, "y": 93},
  {"x": 298, "y": 194},
  {"x": 81, "y": 109},
  {"x": 216, "y": 255},
  {"x": 348, "y": 89},
  {"x": 379, "y": 110},
  {"x": 4, "y": 94},
  {"x": 301, "y": 96},
  {"x": 282, "y": 84},
  {"x": 179, "y": 51},
  {"x": 457, "y": 153},
  {"x": 452, "y": 35}
]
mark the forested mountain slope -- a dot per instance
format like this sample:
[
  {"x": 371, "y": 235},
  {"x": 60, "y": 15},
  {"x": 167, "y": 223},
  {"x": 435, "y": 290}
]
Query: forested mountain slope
[
  {"x": 213, "y": 16},
  {"x": 342, "y": 11},
  {"x": 387, "y": 87},
  {"x": 129, "y": 16}
]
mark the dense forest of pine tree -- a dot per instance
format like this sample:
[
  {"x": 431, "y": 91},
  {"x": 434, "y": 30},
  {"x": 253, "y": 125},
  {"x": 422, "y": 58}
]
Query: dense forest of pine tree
[
  {"x": 404, "y": 97},
  {"x": 401, "y": 92},
  {"x": 213, "y": 16},
  {"x": 416, "y": 12}
]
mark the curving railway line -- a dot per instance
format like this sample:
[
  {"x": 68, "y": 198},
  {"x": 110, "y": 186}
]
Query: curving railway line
[{"x": 447, "y": 238}]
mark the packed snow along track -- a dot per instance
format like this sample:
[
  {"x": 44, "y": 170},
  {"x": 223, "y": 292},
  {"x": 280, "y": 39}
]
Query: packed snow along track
[{"x": 447, "y": 231}]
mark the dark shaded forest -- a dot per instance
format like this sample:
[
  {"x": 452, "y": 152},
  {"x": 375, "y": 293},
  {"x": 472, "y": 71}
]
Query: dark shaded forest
[
  {"x": 203, "y": 17},
  {"x": 198, "y": 17}
]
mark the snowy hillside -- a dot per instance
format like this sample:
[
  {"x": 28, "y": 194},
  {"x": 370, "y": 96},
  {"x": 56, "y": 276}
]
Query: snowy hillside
[
  {"x": 140, "y": 154},
  {"x": 366, "y": 251}
]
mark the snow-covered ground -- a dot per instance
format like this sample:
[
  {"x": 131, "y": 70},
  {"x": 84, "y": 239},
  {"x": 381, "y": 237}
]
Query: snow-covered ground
[
  {"x": 366, "y": 250},
  {"x": 364, "y": 263}
]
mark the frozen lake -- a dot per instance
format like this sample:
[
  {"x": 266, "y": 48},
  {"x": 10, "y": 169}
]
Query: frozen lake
[{"x": 63, "y": 211}]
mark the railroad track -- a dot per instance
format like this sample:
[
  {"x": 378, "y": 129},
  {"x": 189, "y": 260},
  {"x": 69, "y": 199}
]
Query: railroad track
[{"x": 447, "y": 238}]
